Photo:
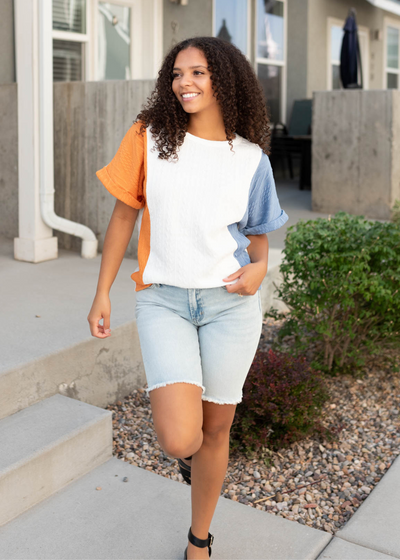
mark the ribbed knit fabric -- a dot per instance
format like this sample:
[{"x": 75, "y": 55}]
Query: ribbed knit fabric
[{"x": 195, "y": 213}]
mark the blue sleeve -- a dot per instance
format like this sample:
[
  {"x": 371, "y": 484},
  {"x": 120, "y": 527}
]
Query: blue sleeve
[{"x": 264, "y": 213}]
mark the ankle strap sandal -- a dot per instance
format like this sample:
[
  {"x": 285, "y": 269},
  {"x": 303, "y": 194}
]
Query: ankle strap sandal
[
  {"x": 185, "y": 470},
  {"x": 201, "y": 543}
]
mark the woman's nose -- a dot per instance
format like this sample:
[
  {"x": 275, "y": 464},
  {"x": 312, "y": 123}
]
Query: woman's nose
[{"x": 187, "y": 79}]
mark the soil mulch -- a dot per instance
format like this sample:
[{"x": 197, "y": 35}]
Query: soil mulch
[{"x": 314, "y": 482}]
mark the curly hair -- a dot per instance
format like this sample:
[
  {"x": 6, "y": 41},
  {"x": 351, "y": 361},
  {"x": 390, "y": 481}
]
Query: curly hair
[{"x": 236, "y": 87}]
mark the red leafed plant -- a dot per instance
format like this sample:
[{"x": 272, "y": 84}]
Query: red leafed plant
[{"x": 282, "y": 401}]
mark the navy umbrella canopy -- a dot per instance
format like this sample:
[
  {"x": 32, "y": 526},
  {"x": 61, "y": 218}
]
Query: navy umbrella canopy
[{"x": 350, "y": 57}]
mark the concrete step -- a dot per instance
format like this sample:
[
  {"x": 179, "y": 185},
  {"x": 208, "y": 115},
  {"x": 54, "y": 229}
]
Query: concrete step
[
  {"x": 146, "y": 517},
  {"x": 45, "y": 447},
  {"x": 47, "y": 347}
]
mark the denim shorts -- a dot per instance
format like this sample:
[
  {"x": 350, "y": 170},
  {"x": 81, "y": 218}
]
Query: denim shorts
[{"x": 207, "y": 337}]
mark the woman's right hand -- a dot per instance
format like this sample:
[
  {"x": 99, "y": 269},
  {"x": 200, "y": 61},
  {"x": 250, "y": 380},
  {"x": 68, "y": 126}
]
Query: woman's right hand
[{"x": 101, "y": 309}]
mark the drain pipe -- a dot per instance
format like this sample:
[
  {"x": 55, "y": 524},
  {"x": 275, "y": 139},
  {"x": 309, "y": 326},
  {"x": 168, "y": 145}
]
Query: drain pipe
[{"x": 46, "y": 141}]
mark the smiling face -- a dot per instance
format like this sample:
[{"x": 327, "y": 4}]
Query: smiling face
[{"x": 192, "y": 83}]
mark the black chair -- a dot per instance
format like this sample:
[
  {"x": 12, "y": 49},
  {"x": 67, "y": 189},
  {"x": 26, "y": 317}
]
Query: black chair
[{"x": 295, "y": 141}]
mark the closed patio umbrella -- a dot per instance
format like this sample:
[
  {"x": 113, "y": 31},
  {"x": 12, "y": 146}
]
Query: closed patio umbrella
[{"x": 350, "y": 57}]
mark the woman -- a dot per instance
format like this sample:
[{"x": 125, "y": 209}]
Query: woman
[{"x": 194, "y": 168}]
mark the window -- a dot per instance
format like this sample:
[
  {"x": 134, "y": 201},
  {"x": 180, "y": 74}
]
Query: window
[
  {"x": 70, "y": 40},
  {"x": 114, "y": 42},
  {"x": 99, "y": 40},
  {"x": 392, "y": 52},
  {"x": 231, "y": 22},
  {"x": 335, "y": 38},
  {"x": 336, "y": 46},
  {"x": 271, "y": 54}
]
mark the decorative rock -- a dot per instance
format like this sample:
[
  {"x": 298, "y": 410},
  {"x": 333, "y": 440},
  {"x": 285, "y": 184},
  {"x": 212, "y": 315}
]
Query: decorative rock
[{"x": 349, "y": 466}]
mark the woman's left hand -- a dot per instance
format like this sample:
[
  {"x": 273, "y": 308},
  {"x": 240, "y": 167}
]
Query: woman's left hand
[{"x": 250, "y": 277}]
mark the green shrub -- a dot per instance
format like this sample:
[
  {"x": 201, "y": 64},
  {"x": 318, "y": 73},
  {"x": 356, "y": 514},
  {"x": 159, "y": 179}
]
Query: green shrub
[
  {"x": 282, "y": 399},
  {"x": 341, "y": 280},
  {"x": 396, "y": 213}
]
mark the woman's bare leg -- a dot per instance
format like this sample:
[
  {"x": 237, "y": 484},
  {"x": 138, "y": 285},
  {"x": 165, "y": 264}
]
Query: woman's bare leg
[
  {"x": 209, "y": 466},
  {"x": 178, "y": 418}
]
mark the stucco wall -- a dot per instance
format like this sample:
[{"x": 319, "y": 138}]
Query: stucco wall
[
  {"x": 182, "y": 22},
  {"x": 367, "y": 16},
  {"x": 7, "y": 56},
  {"x": 8, "y": 160}
]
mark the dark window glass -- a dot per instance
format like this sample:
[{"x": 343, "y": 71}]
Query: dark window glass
[
  {"x": 69, "y": 15},
  {"x": 270, "y": 77},
  {"x": 67, "y": 61}
]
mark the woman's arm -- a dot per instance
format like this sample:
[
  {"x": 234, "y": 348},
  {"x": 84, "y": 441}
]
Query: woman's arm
[
  {"x": 118, "y": 235},
  {"x": 258, "y": 249},
  {"x": 251, "y": 275}
]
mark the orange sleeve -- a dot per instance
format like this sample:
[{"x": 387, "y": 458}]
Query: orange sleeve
[{"x": 124, "y": 176}]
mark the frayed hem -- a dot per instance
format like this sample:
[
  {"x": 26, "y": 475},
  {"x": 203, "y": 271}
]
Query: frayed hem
[
  {"x": 216, "y": 401},
  {"x": 158, "y": 385}
]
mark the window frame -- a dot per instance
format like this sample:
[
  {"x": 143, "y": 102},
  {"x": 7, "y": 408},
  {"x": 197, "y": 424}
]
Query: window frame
[
  {"x": 389, "y": 22},
  {"x": 248, "y": 42},
  {"x": 89, "y": 40},
  {"x": 83, "y": 38},
  {"x": 269, "y": 62},
  {"x": 362, "y": 30}
]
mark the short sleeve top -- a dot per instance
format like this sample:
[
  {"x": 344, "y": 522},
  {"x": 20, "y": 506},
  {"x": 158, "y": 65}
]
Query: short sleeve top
[{"x": 194, "y": 213}]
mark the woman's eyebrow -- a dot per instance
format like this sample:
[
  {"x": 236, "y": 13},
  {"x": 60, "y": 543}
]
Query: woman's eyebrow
[{"x": 198, "y": 66}]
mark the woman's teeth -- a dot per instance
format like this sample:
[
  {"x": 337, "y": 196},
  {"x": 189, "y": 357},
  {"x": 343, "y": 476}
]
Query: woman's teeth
[{"x": 189, "y": 95}]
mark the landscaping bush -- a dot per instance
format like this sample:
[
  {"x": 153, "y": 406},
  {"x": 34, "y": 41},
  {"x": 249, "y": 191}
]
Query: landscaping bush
[
  {"x": 341, "y": 280},
  {"x": 396, "y": 213},
  {"x": 282, "y": 398}
]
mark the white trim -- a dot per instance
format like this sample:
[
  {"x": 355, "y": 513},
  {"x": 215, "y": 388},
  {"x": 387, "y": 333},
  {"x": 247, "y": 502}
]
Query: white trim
[
  {"x": 248, "y": 32},
  {"x": 386, "y": 5},
  {"x": 70, "y": 36},
  {"x": 388, "y": 22},
  {"x": 270, "y": 62},
  {"x": 282, "y": 63}
]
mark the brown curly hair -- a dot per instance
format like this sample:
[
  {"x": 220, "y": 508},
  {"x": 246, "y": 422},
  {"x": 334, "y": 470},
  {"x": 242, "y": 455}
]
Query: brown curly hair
[{"x": 236, "y": 87}]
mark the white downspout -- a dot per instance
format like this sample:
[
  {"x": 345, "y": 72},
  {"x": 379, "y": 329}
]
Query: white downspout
[{"x": 89, "y": 240}]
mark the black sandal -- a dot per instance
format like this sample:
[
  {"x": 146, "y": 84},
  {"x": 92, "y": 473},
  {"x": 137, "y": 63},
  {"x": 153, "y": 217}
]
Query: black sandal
[
  {"x": 185, "y": 470},
  {"x": 201, "y": 543}
]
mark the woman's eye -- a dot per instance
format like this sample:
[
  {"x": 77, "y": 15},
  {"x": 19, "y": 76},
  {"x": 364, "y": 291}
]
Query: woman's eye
[
  {"x": 198, "y": 72},
  {"x": 175, "y": 75}
]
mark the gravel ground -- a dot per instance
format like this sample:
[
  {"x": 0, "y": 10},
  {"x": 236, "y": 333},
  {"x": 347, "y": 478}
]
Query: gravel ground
[{"x": 314, "y": 482}]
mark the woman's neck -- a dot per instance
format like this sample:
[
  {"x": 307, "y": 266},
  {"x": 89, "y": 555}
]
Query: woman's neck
[{"x": 210, "y": 127}]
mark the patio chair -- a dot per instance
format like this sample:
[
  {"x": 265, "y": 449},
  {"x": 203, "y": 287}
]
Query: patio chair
[{"x": 294, "y": 141}]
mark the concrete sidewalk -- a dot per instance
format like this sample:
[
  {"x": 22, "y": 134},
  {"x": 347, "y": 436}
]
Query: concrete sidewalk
[
  {"x": 46, "y": 348},
  {"x": 148, "y": 517}
]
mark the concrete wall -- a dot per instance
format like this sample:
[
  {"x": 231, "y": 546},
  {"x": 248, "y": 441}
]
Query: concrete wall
[
  {"x": 356, "y": 146},
  {"x": 7, "y": 56},
  {"x": 182, "y": 22},
  {"x": 367, "y": 16},
  {"x": 8, "y": 160},
  {"x": 90, "y": 120}
]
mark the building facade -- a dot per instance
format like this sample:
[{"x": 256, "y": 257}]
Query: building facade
[{"x": 293, "y": 45}]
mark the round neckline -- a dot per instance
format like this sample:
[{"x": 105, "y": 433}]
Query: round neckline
[{"x": 235, "y": 141}]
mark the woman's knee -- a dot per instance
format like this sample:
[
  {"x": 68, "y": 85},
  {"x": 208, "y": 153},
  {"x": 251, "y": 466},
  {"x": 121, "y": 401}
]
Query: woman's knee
[
  {"x": 177, "y": 444},
  {"x": 217, "y": 421},
  {"x": 177, "y": 417}
]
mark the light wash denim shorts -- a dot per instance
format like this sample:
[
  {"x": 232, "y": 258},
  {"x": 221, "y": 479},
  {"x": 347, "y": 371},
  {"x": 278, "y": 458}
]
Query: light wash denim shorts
[{"x": 207, "y": 337}]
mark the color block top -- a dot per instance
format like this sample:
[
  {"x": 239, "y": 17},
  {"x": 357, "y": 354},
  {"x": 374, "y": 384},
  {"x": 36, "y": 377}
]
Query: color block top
[{"x": 194, "y": 214}]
